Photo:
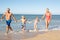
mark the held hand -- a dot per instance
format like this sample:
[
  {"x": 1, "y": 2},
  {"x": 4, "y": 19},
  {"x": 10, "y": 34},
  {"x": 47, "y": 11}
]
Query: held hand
[
  {"x": 42, "y": 18},
  {"x": 15, "y": 21},
  {"x": 29, "y": 22},
  {"x": 0, "y": 19},
  {"x": 18, "y": 20}
]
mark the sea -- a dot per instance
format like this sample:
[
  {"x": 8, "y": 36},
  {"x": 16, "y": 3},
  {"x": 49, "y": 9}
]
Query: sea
[{"x": 16, "y": 26}]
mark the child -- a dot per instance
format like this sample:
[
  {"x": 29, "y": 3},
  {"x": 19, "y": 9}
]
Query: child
[
  {"x": 23, "y": 20},
  {"x": 35, "y": 23}
]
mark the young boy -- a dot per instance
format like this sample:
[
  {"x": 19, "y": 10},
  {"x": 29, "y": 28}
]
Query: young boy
[{"x": 23, "y": 20}]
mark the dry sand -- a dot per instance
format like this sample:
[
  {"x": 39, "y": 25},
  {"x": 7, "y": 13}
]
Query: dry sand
[{"x": 44, "y": 35}]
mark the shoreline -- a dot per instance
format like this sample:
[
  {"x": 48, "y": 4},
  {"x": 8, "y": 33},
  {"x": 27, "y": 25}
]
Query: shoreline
[{"x": 43, "y": 35}]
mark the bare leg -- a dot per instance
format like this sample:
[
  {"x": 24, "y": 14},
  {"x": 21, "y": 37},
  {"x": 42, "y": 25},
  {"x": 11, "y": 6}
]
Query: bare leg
[
  {"x": 7, "y": 29},
  {"x": 35, "y": 27},
  {"x": 23, "y": 28},
  {"x": 46, "y": 24},
  {"x": 10, "y": 28}
]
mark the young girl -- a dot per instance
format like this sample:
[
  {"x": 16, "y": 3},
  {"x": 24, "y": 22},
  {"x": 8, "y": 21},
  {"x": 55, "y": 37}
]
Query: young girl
[
  {"x": 36, "y": 20},
  {"x": 35, "y": 23}
]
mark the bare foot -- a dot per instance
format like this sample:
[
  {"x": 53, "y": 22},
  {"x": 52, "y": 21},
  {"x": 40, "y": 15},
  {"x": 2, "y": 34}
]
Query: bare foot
[{"x": 6, "y": 33}]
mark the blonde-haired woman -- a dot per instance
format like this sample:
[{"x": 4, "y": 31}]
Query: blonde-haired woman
[{"x": 47, "y": 16}]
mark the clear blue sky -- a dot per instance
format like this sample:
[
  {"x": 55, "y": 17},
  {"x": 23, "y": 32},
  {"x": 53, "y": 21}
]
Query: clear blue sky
[{"x": 30, "y": 6}]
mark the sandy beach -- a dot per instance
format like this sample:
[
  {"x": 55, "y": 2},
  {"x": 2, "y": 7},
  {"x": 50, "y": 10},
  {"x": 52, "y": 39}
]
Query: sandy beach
[{"x": 43, "y": 35}]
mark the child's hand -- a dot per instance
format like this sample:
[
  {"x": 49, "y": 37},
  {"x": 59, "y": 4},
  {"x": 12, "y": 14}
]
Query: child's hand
[
  {"x": 15, "y": 21},
  {"x": 30, "y": 22},
  {"x": 39, "y": 20},
  {"x": 0, "y": 19}
]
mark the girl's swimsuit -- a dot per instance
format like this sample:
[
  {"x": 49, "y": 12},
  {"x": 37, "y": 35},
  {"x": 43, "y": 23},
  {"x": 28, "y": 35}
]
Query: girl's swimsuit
[{"x": 36, "y": 22}]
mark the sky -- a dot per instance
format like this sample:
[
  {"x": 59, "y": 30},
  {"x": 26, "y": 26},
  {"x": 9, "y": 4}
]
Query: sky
[{"x": 30, "y": 6}]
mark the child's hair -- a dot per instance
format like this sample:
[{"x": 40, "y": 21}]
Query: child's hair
[
  {"x": 36, "y": 16},
  {"x": 24, "y": 17}
]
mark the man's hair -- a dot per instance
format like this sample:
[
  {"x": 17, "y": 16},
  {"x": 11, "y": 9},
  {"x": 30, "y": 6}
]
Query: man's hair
[{"x": 8, "y": 8}]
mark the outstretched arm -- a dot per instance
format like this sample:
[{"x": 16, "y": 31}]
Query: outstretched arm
[
  {"x": 43, "y": 17},
  {"x": 14, "y": 18},
  {"x": 30, "y": 21},
  {"x": 2, "y": 16},
  {"x": 19, "y": 20}
]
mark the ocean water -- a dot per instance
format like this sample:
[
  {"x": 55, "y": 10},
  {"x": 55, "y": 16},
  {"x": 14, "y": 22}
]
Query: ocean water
[{"x": 54, "y": 24}]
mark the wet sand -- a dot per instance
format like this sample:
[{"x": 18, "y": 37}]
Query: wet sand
[{"x": 43, "y": 35}]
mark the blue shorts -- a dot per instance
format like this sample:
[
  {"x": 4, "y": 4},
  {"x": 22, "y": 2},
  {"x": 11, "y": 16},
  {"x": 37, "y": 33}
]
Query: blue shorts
[{"x": 8, "y": 22}]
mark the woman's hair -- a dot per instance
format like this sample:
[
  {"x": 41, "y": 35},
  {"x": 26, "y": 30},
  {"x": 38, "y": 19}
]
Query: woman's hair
[{"x": 47, "y": 9}]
